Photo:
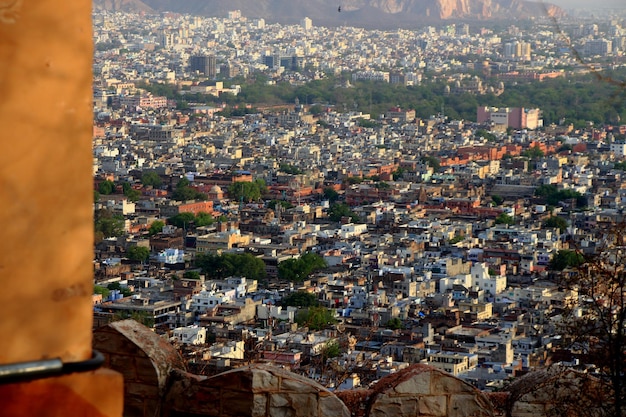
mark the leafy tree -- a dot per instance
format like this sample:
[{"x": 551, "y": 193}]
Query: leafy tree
[
  {"x": 229, "y": 264},
  {"x": 132, "y": 194},
  {"x": 330, "y": 194},
  {"x": 504, "y": 218},
  {"x": 191, "y": 275},
  {"x": 485, "y": 134},
  {"x": 203, "y": 219},
  {"x": 182, "y": 220},
  {"x": 316, "y": 318},
  {"x": 285, "y": 204},
  {"x": 382, "y": 185},
  {"x": 457, "y": 239},
  {"x": 300, "y": 299},
  {"x": 151, "y": 178},
  {"x": 142, "y": 317},
  {"x": 106, "y": 187},
  {"x": 97, "y": 289},
  {"x": 108, "y": 224},
  {"x": 330, "y": 350},
  {"x": 554, "y": 196},
  {"x": 395, "y": 323},
  {"x": 290, "y": 169},
  {"x": 398, "y": 173},
  {"x": 432, "y": 162},
  {"x": 96, "y": 196},
  {"x": 556, "y": 221},
  {"x": 597, "y": 322},
  {"x": 339, "y": 210},
  {"x": 533, "y": 153},
  {"x": 244, "y": 190},
  {"x": 186, "y": 193},
  {"x": 138, "y": 253},
  {"x": 497, "y": 200},
  {"x": 565, "y": 259},
  {"x": 297, "y": 270},
  {"x": 123, "y": 290},
  {"x": 156, "y": 227}
]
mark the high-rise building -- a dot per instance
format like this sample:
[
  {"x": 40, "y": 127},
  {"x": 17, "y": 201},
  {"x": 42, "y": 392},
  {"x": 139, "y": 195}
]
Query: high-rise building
[
  {"x": 205, "y": 64},
  {"x": 306, "y": 23}
]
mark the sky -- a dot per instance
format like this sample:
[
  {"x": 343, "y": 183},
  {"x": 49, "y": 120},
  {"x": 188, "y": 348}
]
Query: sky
[{"x": 571, "y": 4}]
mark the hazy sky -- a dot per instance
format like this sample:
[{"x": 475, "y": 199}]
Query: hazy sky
[{"x": 571, "y": 4}]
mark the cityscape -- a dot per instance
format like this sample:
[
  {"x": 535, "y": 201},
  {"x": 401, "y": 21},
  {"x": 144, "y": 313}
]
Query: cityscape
[{"x": 348, "y": 204}]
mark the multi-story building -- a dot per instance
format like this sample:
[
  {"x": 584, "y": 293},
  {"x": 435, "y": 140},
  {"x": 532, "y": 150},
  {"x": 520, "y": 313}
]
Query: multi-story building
[
  {"x": 204, "y": 64},
  {"x": 515, "y": 117}
]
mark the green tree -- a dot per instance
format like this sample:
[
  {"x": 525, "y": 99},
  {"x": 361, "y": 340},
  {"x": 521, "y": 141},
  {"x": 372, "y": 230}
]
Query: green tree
[
  {"x": 138, "y": 253},
  {"x": 156, "y": 227},
  {"x": 330, "y": 194},
  {"x": 300, "y": 299},
  {"x": 285, "y": 204},
  {"x": 191, "y": 275},
  {"x": 316, "y": 318},
  {"x": 566, "y": 259},
  {"x": 504, "y": 218},
  {"x": 151, "y": 178},
  {"x": 556, "y": 221},
  {"x": 108, "y": 224},
  {"x": 96, "y": 196},
  {"x": 203, "y": 219},
  {"x": 497, "y": 200},
  {"x": 182, "y": 220},
  {"x": 244, "y": 190},
  {"x": 132, "y": 194},
  {"x": 339, "y": 210},
  {"x": 297, "y": 270},
  {"x": 106, "y": 187},
  {"x": 125, "y": 291},
  {"x": 533, "y": 153},
  {"x": 229, "y": 264},
  {"x": 330, "y": 350},
  {"x": 394, "y": 323},
  {"x": 432, "y": 162},
  {"x": 97, "y": 289}
]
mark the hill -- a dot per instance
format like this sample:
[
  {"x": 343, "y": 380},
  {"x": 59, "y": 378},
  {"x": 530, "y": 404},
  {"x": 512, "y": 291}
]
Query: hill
[{"x": 363, "y": 13}]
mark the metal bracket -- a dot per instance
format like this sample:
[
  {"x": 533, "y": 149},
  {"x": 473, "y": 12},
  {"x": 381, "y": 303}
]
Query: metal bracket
[{"x": 25, "y": 371}]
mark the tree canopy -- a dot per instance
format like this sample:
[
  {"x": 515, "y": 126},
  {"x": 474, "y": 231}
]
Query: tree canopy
[
  {"x": 556, "y": 221},
  {"x": 246, "y": 190},
  {"x": 229, "y": 264},
  {"x": 339, "y": 210},
  {"x": 316, "y": 318},
  {"x": 300, "y": 299},
  {"x": 151, "y": 178},
  {"x": 565, "y": 259},
  {"x": 138, "y": 253},
  {"x": 297, "y": 270}
]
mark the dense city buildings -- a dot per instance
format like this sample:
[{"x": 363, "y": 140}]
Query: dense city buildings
[{"x": 309, "y": 231}]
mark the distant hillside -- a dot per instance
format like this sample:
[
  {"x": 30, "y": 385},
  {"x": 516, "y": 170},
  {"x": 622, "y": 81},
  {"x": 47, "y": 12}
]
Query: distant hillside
[
  {"x": 122, "y": 6},
  {"x": 367, "y": 13}
]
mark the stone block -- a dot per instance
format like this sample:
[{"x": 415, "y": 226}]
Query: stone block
[
  {"x": 418, "y": 384},
  {"x": 125, "y": 365},
  {"x": 295, "y": 405},
  {"x": 536, "y": 409},
  {"x": 386, "y": 406},
  {"x": 433, "y": 405},
  {"x": 236, "y": 403},
  {"x": 444, "y": 383},
  {"x": 263, "y": 381},
  {"x": 296, "y": 385},
  {"x": 331, "y": 406},
  {"x": 259, "y": 406},
  {"x": 140, "y": 390}
]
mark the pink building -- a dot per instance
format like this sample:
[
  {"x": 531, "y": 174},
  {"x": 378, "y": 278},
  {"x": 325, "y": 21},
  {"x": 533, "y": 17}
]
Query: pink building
[{"x": 515, "y": 117}]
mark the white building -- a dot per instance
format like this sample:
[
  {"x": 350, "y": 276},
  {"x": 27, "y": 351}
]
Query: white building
[
  {"x": 208, "y": 299},
  {"x": 192, "y": 335},
  {"x": 494, "y": 284}
]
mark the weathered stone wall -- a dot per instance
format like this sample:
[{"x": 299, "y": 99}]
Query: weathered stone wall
[
  {"x": 143, "y": 358},
  {"x": 422, "y": 390},
  {"x": 156, "y": 384},
  {"x": 257, "y": 390}
]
